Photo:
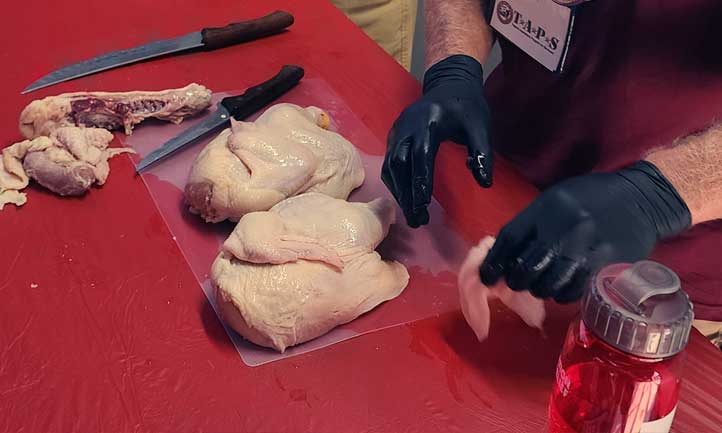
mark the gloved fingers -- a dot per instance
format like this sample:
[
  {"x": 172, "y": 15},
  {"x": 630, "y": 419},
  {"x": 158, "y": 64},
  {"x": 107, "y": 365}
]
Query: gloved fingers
[
  {"x": 526, "y": 267},
  {"x": 386, "y": 175},
  {"x": 576, "y": 287},
  {"x": 396, "y": 169},
  {"x": 560, "y": 278},
  {"x": 423, "y": 155},
  {"x": 481, "y": 159},
  {"x": 596, "y": 257},
  {"x": 512, "y": 239}
]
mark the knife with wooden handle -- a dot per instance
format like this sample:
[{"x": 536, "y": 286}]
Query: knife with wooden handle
[{"x": 209, "y": 38}]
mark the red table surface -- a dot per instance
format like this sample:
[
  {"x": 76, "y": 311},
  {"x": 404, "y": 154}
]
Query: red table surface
[{"x": 104, "y": 328}]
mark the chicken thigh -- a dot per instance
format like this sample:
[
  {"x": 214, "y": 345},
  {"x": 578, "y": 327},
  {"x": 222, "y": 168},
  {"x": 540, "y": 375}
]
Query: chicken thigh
[
  {"x": 307, "y": 265},
  {"x": 254, "y": 165}
]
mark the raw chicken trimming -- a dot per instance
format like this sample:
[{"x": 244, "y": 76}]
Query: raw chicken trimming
[
  {"x": 475, "y": 296},
  {"x": 68, "y": 163},
  {"x": 112, "y": 110},
  {"x": 68, "y": 136}
]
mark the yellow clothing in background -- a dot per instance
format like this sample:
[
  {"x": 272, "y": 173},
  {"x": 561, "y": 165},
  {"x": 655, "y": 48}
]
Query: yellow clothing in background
[
  {"x": 711, "y": 330},
  {"x": 391, "y": 23}
]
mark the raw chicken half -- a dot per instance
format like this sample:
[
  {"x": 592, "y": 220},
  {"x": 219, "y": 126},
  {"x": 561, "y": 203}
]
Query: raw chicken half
[
  {"x": 254, "y": 165},
  {"x": 475, "y": 296},
  {"x": 307, "y": 265}
]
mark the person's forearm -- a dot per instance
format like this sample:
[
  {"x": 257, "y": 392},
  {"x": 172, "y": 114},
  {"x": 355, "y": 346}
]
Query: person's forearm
[
  {"x": 456, "y": 27},
  {"x": 694, "y": 167}
]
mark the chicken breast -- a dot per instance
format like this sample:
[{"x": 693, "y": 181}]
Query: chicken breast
[
  {"x": 68, "y": 163},
  {"x": 302, "y": 268},
  {"x": 112, "y": 110},
  {"x": 475, "y": 296},
  {"x": 254, "y": 165}
]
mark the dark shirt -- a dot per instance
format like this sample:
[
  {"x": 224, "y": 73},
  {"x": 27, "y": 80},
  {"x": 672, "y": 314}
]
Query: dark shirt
[{"x": 638, "y": 75}]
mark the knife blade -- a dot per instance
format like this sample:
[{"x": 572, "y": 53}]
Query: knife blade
[
  {"x": 239, "y": 107},
  {"x": 209, "y": 38}
]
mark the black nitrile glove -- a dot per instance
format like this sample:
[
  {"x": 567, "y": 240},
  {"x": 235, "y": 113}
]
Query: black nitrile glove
[
  {"x": 453, "y": 107},
  {"x": 582, "y": 224}
]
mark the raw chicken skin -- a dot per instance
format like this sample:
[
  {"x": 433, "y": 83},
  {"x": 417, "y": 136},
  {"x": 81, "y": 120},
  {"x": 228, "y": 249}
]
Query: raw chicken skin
[
  {"x": 475, "y": 296},
  {"x": 13, "y": 178},
  {"x": 290, "y": 232},
  {"x": 112, "y": 110},
  {"x": 254, "y": 165},
  {"x": 295, "y": 272},
  {"x": 68, "y": 162}
]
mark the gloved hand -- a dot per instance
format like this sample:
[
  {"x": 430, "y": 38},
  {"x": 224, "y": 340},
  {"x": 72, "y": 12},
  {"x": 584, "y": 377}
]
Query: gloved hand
[
  {"x": 573, "y": 229},
  {"x": 453, "y": 107}
]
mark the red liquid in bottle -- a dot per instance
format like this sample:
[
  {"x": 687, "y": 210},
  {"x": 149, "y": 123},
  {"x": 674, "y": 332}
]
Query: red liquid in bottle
[{"x": 600, "y": 389}]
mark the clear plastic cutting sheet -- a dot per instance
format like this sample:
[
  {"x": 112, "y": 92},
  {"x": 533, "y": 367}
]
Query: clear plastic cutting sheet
[{"x": 432, "y": 253}]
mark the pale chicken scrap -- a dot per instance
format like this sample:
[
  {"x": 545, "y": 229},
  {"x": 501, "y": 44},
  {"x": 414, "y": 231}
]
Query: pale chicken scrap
[
  {"x": 13, "y": 178},
  {"x": 68, "y": 162},
  {"x": 112, "y": 110},
  {"x": 254, "y": 165},
  {"x": 295, "y": 272},
  {"x": 475, "y": 296}
]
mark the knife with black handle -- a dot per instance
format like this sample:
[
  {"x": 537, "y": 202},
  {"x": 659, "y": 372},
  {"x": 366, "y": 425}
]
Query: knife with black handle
[{"x": 239, "y": 107}]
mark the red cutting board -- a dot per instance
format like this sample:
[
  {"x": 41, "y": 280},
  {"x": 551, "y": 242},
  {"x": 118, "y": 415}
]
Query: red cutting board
[{"x": 116, "y": 336}]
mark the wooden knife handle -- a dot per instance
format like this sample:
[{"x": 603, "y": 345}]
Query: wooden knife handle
[
  {"x": 257, "y": 97},
  {"x": 235, "y": 33}
]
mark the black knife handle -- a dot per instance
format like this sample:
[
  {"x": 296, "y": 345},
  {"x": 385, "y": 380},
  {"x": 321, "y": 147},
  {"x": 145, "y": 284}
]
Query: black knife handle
[
  {"x": 257, "y": 97},
  {"x": 235, "y": 33}
]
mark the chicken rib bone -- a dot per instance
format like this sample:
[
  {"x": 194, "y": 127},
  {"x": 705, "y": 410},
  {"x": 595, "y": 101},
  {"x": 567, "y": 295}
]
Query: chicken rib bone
[{"x": 112, "y": 110}]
